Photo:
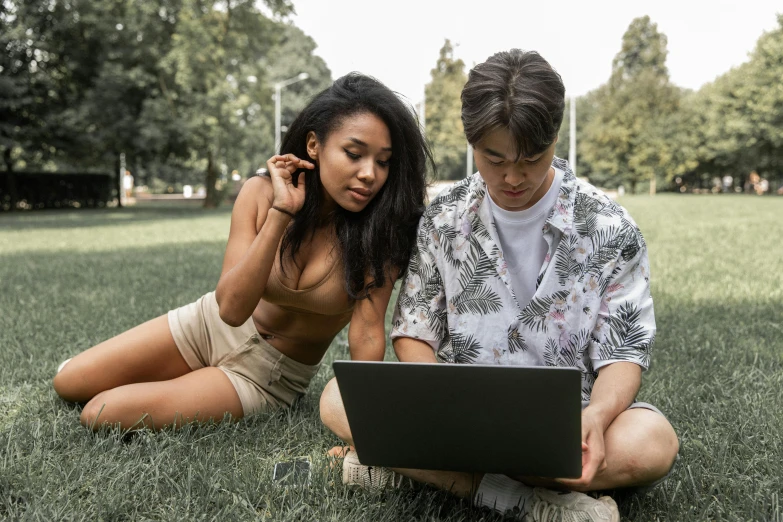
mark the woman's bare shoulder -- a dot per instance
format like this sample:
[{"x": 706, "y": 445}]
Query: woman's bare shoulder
[
  {"x": 256, "y": 187},
  {"x": 254, "y": 200}
]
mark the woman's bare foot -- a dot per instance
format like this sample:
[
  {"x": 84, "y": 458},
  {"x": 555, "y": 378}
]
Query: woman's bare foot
[{"x": 337, "y": 453}]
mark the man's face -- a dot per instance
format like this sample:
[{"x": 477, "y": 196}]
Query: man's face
[{"x": 513, "y": 185}]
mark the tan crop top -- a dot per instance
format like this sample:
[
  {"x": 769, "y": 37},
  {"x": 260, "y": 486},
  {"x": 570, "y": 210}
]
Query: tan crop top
[{"x": 327, "y": 297}]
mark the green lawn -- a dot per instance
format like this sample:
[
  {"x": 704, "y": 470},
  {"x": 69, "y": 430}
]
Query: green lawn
[{"x": 69, "y": 279}]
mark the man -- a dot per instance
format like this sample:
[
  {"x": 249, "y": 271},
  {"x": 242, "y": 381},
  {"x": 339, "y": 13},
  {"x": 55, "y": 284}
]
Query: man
[{"x": 524, "y": 264}]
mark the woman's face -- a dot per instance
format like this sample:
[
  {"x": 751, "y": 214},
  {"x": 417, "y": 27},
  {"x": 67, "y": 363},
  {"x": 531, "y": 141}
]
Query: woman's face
[
  {"x": 353, "y": 161},
  {"x": 513, "y": 185}
]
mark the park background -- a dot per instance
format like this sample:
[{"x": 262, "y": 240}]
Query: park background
[{"x": 181, "y": 93}]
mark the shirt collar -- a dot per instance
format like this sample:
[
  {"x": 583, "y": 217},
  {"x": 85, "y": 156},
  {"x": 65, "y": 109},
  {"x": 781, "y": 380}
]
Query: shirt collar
[{"x": 562, "y": 215}]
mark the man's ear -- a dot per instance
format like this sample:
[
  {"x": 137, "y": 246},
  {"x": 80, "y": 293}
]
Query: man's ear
[{"x": 312, "y": 145}]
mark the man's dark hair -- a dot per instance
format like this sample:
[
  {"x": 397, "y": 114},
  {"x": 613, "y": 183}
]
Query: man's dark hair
[
  {"x": 518, "y": 91},
  {"x": 380, "y": 237}
]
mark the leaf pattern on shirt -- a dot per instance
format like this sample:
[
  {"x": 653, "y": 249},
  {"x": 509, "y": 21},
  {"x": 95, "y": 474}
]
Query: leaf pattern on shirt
[
  {"x": 627, "y": 337},
  {"x": 534, "y": 315},
  {"x": 476, "y": 268},
  {"x": 587, "y": 210},
  {"x": 459, "y": 349},
  {"x": 566, "y": 263},
  {"x": 446, "y": 238},
  {"x": 515, "y": 340},
  {"x": 570, "y": 353},
  {"x": 478, "y": 300},
  {"x": 456, "y": 193}
]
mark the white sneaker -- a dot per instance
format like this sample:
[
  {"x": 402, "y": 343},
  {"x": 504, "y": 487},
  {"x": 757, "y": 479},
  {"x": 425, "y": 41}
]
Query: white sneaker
[
  {"x": 371, "y": 478},
  {"x": 62, "y": 365},
  {"x": 557, "y": 506}
]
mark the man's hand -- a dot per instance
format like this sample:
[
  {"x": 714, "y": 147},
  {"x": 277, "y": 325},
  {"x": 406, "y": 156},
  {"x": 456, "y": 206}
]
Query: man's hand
[
  {"x": 614, "y": 390},
  {"x": 593, "y": 452}
]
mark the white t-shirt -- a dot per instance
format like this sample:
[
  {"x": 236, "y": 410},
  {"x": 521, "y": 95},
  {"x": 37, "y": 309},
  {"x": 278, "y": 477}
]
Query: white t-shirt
[{"x": 522, "y": 240}]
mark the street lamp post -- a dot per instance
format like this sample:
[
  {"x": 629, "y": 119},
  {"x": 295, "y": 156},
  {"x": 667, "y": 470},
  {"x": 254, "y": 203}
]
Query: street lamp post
[
  {"x": 572, "y": 135},
  {"x": 469, "y": 161},
  {"x": 278, "y": 90}
]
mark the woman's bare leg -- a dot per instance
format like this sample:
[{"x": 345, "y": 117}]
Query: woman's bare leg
[
  {"x": 145, "y": 353},
  {"x": 200, "y": 395}
]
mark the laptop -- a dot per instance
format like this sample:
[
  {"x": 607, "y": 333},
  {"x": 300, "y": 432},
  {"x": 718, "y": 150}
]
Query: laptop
[{"x": 515, "y": 420}]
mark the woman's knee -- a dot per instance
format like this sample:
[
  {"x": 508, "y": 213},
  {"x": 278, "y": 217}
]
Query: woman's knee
[
  {"x": 92, "y": 415},
  {"x": 66, "y": 384},
  {"x": 61, "y": 386}
]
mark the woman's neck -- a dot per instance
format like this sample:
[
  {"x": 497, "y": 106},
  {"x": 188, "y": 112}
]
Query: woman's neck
[{"x": 328, "y": 206}]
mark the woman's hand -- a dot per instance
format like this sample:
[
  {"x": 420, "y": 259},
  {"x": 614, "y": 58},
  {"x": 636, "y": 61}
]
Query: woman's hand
[{"x": 287, "y": 197}]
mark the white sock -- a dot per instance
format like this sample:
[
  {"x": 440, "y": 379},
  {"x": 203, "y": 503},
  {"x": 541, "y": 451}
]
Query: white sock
[{"x": 502, "y": 493}]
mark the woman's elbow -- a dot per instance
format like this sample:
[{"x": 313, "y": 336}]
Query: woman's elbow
[
  {"x": 231, "y": 316},
  {"x": 367, "y": 349},
  {"x": 233, "y": 321}
]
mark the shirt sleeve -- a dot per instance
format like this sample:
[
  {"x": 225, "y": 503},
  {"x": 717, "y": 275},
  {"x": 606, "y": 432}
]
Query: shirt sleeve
[
  {"x": 421, "y": 312},
  {"x": 625, "y": 330}
]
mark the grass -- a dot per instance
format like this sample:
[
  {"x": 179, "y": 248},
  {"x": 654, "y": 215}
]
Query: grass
[{"x": 69, "y": 279}]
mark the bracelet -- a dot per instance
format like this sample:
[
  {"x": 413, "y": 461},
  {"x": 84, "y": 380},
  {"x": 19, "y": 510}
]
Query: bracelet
[{"x": 284, "y": 211}]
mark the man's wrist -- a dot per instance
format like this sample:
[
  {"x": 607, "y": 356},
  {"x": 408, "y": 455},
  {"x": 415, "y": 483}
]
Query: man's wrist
[{"x": 602, "y": 414}]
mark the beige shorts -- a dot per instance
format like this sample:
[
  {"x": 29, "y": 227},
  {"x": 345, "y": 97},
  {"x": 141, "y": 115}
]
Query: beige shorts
[{"x": 264, "y": 378}]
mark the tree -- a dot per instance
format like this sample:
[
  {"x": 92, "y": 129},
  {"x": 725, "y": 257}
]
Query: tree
[
  {"x": 223, "y": 61},
  {"x": 766, "y": 101},
  {"x": 623, "y": 141},
  {"x": 293, "y": 54},
  {"x": 214, "y": 67},
  {"x": 737, "y": 120},
  {"x": 176, "y": 84},
  {"x": 44, "y": 67},
  {"x": 443, "y": 114}
]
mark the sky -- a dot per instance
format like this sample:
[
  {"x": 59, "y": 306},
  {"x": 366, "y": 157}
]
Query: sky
[{"x": 398, "y": 41}]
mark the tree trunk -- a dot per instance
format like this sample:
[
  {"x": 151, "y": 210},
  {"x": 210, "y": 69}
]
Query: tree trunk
[
  {"x": 9, "y": 166},
  {"x": 633, "y": 186},
  {"x": 653, "y": 187},
  {"x": 210, "y": 201}
]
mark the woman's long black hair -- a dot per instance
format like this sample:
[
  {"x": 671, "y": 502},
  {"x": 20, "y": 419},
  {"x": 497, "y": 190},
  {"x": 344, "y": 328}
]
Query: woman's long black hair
[{"x": 378, "y": 240}]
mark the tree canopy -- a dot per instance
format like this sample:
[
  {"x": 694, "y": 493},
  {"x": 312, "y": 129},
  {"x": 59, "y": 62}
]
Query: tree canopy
[
  {"x": 639, "y": 128},
  {"x": 182, "y": 87},
  {"x": 443, "y": 114}
]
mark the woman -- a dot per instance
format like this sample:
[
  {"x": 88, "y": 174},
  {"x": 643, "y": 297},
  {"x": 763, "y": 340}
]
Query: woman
[{"x": 314, "y": 246}]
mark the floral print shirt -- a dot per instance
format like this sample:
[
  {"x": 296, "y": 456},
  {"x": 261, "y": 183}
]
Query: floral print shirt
[{"x": 592, "y": 304}]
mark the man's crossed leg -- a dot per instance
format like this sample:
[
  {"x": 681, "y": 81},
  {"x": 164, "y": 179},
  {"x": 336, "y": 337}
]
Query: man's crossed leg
[{"x": 639, "y": 449}]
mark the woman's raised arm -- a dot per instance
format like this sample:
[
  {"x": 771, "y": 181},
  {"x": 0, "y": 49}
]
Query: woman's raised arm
[{"x": 261, "y": 214}]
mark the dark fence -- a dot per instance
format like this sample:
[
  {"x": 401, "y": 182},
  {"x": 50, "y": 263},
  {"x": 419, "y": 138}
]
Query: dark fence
[{"x": 39, "y": 190}]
